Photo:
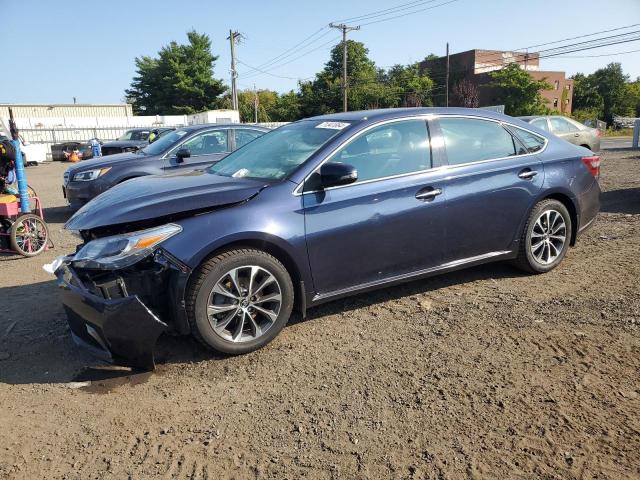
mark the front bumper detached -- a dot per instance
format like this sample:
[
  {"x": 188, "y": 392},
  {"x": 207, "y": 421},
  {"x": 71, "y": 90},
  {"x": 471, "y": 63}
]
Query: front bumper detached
[{"x": 121, "y": 330}]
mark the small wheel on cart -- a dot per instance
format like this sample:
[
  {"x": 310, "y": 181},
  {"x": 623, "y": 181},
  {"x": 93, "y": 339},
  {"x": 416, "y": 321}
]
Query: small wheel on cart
[{"x": 29, "y": 235}]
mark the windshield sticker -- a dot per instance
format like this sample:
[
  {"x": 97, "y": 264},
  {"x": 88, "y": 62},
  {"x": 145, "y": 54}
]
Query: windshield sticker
[
  {"x": 240, "y": 173},
  {"x": 333, "y": 125}
]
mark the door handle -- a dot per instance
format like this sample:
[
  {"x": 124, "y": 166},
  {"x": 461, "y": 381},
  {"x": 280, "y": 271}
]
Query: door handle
[
  {"x": 576, "y": 134},
  {"x": 527, "y": 174},
  {"x": 428, "y": 193}
]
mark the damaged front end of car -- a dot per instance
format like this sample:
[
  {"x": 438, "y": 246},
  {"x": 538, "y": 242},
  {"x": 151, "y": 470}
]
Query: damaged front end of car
[{"x": 122, "y": 291}]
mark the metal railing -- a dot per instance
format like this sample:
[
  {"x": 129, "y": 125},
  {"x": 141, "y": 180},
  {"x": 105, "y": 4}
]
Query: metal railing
[{"x": 52, "y": 136}]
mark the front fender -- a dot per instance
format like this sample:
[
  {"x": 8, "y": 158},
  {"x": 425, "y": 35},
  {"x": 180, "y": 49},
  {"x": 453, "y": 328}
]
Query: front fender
[{"x": 270, "y": 221}]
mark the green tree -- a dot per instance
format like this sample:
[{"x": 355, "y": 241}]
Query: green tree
[
  {"x": 585, "y": 93},
  {"x": 519, "y": 91},
  {"x": 266, "y": 103},
  {"x": 178, "y": 81},
  {"x": 611, "y": 84},
  {"x": 406, "y": 86},
  {"x": 286, "y": 108},
  {"x": 324, "y": 93},
  {"x": 633, "y": 89}
]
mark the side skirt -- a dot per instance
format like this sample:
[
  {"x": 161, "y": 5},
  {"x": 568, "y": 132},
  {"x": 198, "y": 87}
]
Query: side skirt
[{"x": 428, "y": 272}]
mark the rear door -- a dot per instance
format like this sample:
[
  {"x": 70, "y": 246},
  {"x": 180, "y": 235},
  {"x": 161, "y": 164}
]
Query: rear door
[
  {"x": 205, "y": 147},
  {"x": 565, "y": 130},
  {"x": 492, "y": 184}
]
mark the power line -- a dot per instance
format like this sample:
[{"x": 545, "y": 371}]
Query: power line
[
  {"x": 276, "y": 62},
  {"x": 612, "y": 54},
  {"x": 580, "y": 36},
  {"x": 297, "y": 47},
  {"x": 269, "y": 73},
  {"x": 387, "y": 11},
  {"x": 557, "y": 51},
  {"x": 408, "y": 13},
  {"x": 332, "y": 41}
]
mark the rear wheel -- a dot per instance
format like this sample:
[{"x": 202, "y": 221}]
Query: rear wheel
[
  {"x": 239, "y": 301},
  {"x": 546, "y": 237}
]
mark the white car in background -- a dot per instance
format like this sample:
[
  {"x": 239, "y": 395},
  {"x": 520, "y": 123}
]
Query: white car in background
[{"x": 32, "y": 153}]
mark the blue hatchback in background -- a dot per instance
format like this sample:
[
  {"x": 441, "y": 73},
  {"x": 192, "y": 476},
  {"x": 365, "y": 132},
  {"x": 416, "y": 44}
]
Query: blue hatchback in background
[{"x": 313, "y": 211}]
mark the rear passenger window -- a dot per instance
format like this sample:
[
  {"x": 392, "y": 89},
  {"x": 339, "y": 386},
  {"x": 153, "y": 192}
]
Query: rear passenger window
[
  {"x": 245, "y": 136},
  {"x": 541, "y": 123},
  {"x": 473, "y": 140},
  {"x": 531, "y": 141},
  {"x": 560, "y": 125},
  {"x": 391, "y": 149}
]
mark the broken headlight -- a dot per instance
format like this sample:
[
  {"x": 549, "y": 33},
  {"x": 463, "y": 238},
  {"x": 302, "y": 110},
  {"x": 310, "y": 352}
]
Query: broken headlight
[{"x": 120, "y": 251}]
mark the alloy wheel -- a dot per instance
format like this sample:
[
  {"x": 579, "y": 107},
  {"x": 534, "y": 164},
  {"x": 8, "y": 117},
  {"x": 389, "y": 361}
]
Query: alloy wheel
[
  {"x": 548, "y": 237},
  {"x": 244, "y": 303}
]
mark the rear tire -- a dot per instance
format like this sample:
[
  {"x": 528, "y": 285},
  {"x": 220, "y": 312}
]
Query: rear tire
[
  {"x": 239, "y": 301},
  {"x": 546, "y": 237}
]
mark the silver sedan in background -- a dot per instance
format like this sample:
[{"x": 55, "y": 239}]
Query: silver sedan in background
[{"x": 568, "y": 129}]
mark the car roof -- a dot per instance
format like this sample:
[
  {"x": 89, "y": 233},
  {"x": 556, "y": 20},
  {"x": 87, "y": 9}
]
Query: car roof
[
  {"x": 391, "y": 113},
  {"x": 194, "y": 128}
]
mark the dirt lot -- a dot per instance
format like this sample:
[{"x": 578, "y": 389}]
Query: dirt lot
[{"x": 485, "y": 373}]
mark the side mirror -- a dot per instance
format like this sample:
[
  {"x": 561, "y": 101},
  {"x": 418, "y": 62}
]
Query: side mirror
[
  {"x": 182, "y": 154},
  {"x": 334, "y": 174}
]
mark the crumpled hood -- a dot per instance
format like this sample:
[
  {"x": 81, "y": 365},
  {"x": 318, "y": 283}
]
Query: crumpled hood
[
  {"x": 108, "y": 161},
  {"x": 156, "y": 196}
]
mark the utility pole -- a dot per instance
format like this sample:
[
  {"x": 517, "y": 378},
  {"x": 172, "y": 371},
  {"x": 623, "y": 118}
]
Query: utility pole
[
  {"x": 233, "y": 36},
  {"x": 447, "y": 79},
  {"x": 255, "y": 104},
  {"x": 345, "y": 29}
]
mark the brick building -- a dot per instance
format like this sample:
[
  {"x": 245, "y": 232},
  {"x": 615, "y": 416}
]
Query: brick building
[{"x": 475, "y": 66}]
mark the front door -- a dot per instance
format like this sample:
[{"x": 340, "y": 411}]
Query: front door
[
  {"x": 205, "y": 148},
  {"x": 493, "y": 181},
  {"x": 387, "y": 224}
]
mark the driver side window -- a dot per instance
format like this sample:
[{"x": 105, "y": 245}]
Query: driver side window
[
  {"x": 392, "y": 149},
  {"x": 207, "y": 143}
]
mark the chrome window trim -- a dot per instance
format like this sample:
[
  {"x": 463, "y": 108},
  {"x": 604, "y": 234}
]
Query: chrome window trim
[
  {"x": 177, "y": 147},
  {"x": 429, "y": 116},
  {"x": 424, "y": 117}
]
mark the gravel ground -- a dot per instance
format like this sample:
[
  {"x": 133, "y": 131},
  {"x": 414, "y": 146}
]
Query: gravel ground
[{"x": 484, "y": 373}]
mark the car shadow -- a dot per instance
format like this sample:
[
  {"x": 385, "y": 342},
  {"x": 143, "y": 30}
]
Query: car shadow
[
  {"x": 36, "y": 345},
  {"x": 625, "y": 200},
  {"x": 172, "y": 350},
  {"x": 57, "y": 214}
]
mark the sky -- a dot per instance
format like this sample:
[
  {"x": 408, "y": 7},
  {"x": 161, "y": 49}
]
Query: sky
[{"x": 86, "y": 49}]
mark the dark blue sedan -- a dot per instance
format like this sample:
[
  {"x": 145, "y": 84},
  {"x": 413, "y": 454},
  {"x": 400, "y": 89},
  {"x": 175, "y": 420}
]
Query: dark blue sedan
[
  {"x": 313, "y": 211},
  {"x": 187, "y": 148}
]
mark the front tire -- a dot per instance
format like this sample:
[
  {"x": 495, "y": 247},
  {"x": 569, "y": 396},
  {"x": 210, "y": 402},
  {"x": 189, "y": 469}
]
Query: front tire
[
  {"x": 546, "y": 237},
  {"x": 239, "y": 301}
]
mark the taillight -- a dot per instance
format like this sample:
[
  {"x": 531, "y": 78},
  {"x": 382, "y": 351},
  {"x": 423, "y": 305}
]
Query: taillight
[{"x": 592, "y": 164}]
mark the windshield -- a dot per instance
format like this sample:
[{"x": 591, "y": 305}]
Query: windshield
[
  {"x": 278, "y": 153},
  {"x": 135, "y": 135},
  {"x": 164, "y": 141}
]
